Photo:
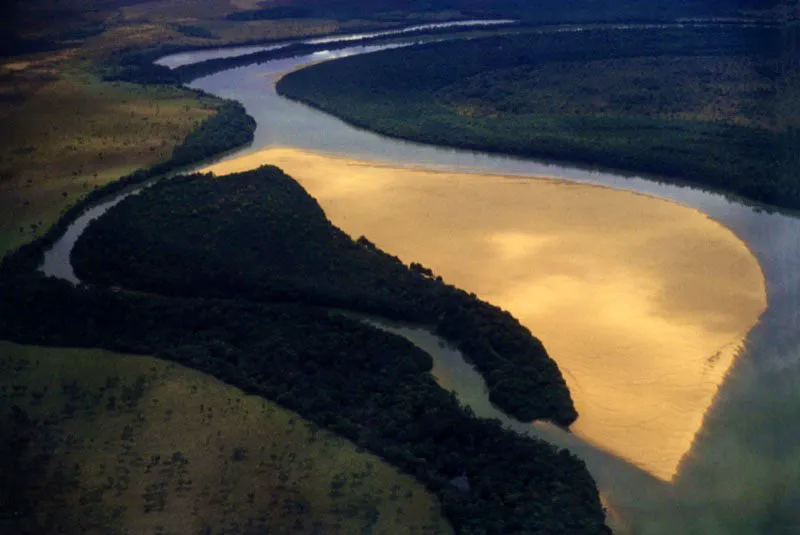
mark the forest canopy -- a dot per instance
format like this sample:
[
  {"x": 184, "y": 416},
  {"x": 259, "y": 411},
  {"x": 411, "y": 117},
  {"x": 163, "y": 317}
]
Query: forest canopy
[
  {"x": 682, "y": 104},
  {"x": 259, "y": 236}
]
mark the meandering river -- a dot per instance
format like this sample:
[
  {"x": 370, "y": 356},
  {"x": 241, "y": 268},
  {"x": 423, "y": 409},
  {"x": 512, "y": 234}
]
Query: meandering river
[{"x": 727, "y": 461}]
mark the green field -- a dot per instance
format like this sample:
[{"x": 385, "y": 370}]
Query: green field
[
  {"x": 99, "y": 442},
  {"x": 68, "y": 131},
  {"x": 77, "y": 133}
]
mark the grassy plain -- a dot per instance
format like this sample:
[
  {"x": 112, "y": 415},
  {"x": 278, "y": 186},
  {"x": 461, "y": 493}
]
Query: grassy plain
[
  {"x": 129, "y": 444},
  {"x": 624, "y": 290},
  {"x": 76, "y": 132}
]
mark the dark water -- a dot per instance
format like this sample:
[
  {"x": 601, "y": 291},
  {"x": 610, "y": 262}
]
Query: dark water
[{"x": 742, "y": 475}]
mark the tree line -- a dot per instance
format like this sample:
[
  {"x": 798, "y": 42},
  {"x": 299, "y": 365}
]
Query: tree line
[
  {"x": 421, "y": 94},
  {"x": 259, "y": 236},
  {"x": 541, "y": 12}
]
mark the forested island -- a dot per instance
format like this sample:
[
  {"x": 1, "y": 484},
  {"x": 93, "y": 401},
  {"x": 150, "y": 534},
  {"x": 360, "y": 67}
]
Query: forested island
[
  {"x": 266, "y": 328},
  {"x": 691, "y": 104}
]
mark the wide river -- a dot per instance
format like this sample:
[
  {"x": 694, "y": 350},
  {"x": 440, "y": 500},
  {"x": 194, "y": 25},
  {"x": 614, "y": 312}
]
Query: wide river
[{"x": 646, "y": 294}]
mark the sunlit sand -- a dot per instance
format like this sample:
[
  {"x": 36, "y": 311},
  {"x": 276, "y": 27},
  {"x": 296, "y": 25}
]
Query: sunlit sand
[{"x": 643, "y": 303}]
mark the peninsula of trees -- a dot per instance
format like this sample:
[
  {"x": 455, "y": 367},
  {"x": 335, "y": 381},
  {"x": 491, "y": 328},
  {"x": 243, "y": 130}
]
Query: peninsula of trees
[{"x": 259, "y": 236}]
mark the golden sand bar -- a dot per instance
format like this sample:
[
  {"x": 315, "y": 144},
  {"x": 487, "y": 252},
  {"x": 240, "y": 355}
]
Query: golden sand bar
[{"x": 643, "y": 303}]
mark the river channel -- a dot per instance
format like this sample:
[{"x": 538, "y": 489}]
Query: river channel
[{"x": 739, "y": 473}]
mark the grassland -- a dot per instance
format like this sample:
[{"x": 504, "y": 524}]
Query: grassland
[
  {"x": 128, "y": 444},
  {"x": 67, "y": 132},
  {"x": 76, "y": 133}
]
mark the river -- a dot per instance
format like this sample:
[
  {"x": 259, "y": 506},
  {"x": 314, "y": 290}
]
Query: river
[{"x": 740, "y": 474}]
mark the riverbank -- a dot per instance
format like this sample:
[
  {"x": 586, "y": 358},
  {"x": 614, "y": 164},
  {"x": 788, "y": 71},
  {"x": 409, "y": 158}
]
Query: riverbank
[
  {"x": 623, "y": 289},
  {"x": 706, "y": 104}
]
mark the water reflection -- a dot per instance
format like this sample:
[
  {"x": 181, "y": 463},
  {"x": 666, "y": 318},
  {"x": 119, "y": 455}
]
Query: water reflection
[
  {"x": 180, "y": 59},
  {"x": 186, "y": 58},
  {"x": 643, "y": 303}
]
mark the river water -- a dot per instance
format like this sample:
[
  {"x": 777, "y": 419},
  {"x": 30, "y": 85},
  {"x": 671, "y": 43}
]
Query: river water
[{"x": 740, "y": 475}]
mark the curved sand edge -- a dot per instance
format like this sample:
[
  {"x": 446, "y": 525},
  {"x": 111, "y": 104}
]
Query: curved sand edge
[{"x": 644, "y": 303}]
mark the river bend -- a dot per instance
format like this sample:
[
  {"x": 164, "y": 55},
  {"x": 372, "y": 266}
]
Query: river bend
[{"x": 740, "y": 474}]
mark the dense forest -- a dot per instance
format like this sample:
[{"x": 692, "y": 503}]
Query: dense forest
[
  {"x": 688, "y": 104},
  {"x": 59, "y": 23},
  {"x": 543, "y": 11},
  {"x": 367, "y": 385},
  {"x": 260, "y": 236}
]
